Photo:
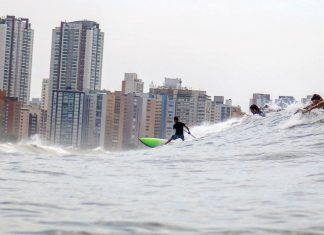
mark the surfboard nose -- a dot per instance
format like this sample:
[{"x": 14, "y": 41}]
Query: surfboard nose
[{"x": 152, "y": 142}]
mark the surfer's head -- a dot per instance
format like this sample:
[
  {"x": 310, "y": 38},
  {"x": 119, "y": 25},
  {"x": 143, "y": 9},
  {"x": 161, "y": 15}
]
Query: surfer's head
[
  {"x": 316, "y": 98},
  {"x": 255, "y": 109},
  {"x": 176, "y": 119}
]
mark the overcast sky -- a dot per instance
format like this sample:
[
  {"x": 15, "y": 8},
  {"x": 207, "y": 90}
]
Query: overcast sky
[{"x": 227, "y": 47}]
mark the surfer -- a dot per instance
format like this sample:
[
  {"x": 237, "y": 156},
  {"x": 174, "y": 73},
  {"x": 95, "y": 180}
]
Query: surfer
[
  {"x": 314, "y": 101},
  {"x": 256, "y": 110},
  {"x": 178, "y": 126},
  {"x": 317, "y": 103}
]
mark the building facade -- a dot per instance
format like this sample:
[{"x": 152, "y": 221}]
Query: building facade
[
  {"x": 220, "y": 111},
  {"x": 157, "y": 116},
  {"x": 23, "y": 123},
  {"x": 94, "y": 120},
  {"x": 9, "y": 117},
  {"x": 33, "y": 128},
  {"x": 66, "y": 121},
  {"x": 115, "y": 115},
  {"x": 16, "y": 46},
  {"x": 151, "y": 122},
  {"x": 132, "y": 120},
  {"x": 123, "y": 120}
]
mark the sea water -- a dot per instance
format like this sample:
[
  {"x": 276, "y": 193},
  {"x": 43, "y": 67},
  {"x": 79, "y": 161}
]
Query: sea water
[{"x": 246, "y": 176}]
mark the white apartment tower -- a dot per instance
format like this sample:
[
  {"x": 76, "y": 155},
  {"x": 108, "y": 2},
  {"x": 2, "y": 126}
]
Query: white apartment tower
[{"x": 16, "y": 46}]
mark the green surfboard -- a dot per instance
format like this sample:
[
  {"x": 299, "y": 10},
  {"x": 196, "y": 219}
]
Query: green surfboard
[{"x": 152, "y": 142}]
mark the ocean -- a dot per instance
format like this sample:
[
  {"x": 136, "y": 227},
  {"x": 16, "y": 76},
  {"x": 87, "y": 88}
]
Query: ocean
[{"x": 251, "y": 175}]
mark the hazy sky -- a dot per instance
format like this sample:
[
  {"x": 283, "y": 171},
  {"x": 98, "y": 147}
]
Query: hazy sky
[{"x": 227, "y": 47}]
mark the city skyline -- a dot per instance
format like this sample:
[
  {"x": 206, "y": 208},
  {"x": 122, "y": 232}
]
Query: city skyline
[{"x": 274, "y": 51}]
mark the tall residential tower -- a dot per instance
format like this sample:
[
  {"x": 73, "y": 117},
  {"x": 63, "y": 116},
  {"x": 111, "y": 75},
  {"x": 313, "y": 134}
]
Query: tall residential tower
[
  {"x": 76, "y": 64},
  {"x": 16, "y": 46},
  {"x": 76, "y": 60}
]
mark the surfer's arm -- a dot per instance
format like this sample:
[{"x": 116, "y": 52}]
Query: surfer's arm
[
  {"x": 187, "y": 128},
  {"x": 316, "y": 106},
  {"x": 305, "y": 109}
]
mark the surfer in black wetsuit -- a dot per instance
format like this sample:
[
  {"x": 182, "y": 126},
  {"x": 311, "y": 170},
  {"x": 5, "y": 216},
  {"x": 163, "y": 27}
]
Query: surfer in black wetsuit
[
  {"x": 256, "y": 110},
  {"x": 178, "y": 126}
]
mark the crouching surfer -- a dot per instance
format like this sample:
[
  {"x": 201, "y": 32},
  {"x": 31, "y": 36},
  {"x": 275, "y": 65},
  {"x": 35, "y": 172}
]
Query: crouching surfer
[{"x": 178, "y": 127}]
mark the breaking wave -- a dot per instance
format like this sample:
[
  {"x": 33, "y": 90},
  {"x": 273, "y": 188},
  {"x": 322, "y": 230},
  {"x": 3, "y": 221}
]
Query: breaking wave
[{"x": 251, "y": 175}]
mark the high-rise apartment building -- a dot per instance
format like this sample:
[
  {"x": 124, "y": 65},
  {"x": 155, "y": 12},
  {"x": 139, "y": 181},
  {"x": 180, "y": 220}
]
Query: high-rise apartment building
[
  {"x": 76, "y": 60},
  {"x": 76, "y": 64},
  {"x": 67, "y": 118},
  {"x": 131, "y": 84},
  {"x": 16, "y": 46}
]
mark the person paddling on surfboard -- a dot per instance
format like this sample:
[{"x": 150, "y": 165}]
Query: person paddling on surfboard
[
  {"x": 178, "y": 126},
  {"x": 317, "y": 103}
]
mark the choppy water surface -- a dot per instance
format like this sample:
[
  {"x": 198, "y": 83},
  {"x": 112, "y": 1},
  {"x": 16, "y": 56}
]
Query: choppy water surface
[{"x": 249, "y": 176}]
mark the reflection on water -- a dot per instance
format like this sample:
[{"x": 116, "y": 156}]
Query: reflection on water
[{"x": 249, "y": 176}]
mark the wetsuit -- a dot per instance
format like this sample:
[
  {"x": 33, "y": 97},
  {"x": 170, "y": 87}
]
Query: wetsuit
[{"x": 179, "y": 131}]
